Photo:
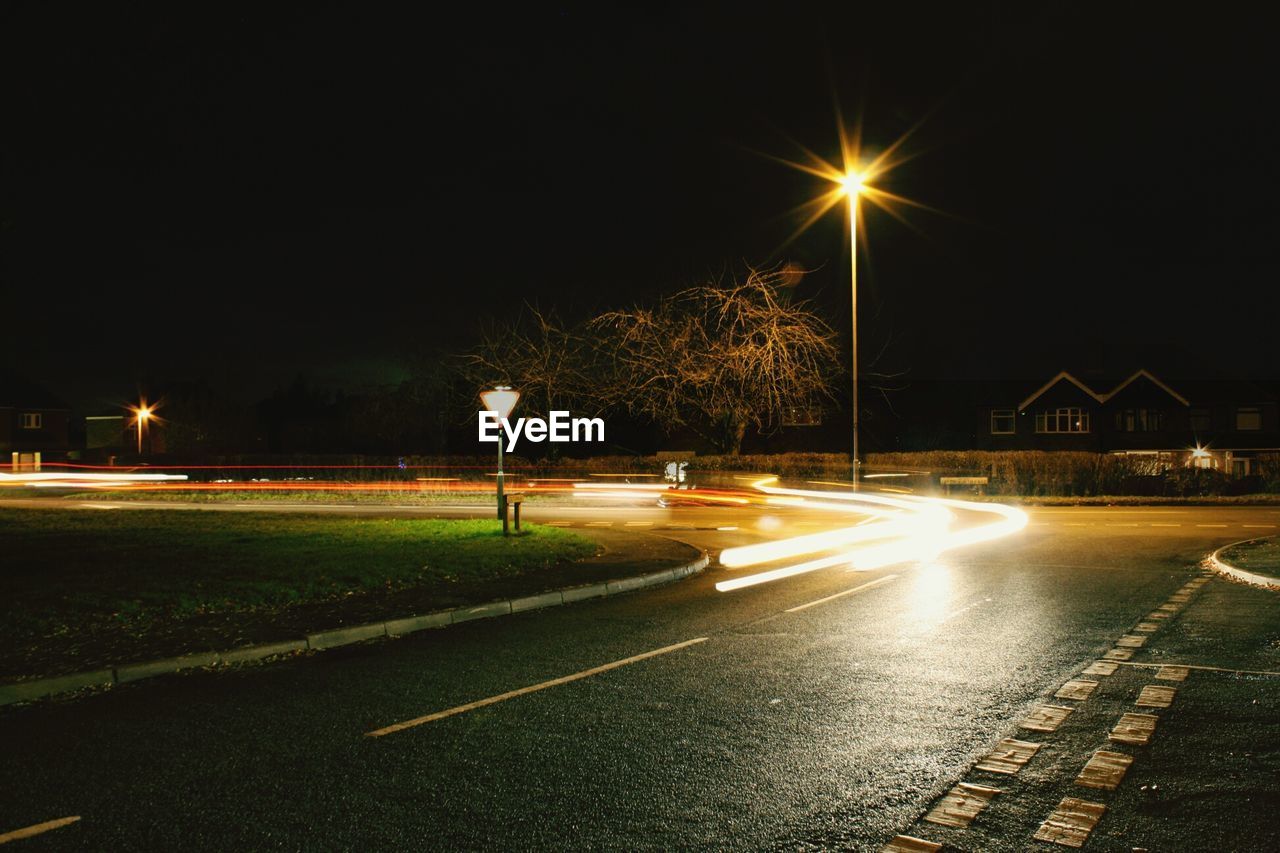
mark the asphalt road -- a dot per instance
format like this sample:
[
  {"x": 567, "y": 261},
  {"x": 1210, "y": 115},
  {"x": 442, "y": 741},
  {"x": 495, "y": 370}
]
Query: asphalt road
[{"x": 779, "y": 725}]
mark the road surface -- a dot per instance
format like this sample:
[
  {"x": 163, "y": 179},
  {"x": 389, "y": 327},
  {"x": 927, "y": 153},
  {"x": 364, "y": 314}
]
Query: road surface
[{"x": 829, "y": 710}]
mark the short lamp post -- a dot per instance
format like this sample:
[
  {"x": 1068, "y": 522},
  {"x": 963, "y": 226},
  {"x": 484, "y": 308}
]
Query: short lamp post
[
  {"x": 143, "y": 415},
  {"x": 500, "y": 400}
]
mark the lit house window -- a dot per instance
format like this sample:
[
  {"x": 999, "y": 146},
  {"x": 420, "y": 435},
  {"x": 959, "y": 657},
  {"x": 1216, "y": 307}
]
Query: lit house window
[
  {"x": 1249, "y": 419},
  {"x": 1140, "y": 420},
  {"x": 32, "y": 420},
  {"x": 1002, "y": 422},
  {"x": 1063, "y": 420}
]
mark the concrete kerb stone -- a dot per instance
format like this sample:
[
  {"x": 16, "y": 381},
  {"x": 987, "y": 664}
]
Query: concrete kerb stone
[
  {"x": 481, "y": 611},
  {"x": 400, "y": 627},
  {"x": 268, "y": 650},
  {"x": 135, "y": 671},
  {"x": 346, "y": 636},
  {"x": 1215, "y": 560},
  {"x": 582, "y": 593},
  {"x": 39, "y": 688},
  {"x": 535, "y": 602}
]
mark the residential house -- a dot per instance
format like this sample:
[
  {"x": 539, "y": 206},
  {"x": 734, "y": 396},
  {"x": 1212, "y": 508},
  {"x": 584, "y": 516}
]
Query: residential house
[
  {"x": 1210, "y": 424},
  {"x": 34, "y": 424}
]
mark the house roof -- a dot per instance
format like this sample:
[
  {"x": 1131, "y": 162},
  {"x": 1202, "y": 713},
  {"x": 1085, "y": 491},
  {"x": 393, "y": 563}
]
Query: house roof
[
  {"x": 1141, "y": 373},
  {"x": 1145, "y": 374},
  {"x": 20, "y": 392},
  {"x": 1054, "y": 381}
]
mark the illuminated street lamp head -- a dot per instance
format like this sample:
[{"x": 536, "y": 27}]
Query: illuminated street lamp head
[
  {"x": 144, "y": 413},
  {"x": 500, "y": 400},
  {"x": 851, "y": 183}
]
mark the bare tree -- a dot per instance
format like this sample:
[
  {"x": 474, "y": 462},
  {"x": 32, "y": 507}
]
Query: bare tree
[
  {"x": 718, "y": 358},
  {"x": 537, "y": 354}
]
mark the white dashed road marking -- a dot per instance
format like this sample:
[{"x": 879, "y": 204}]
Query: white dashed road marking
[
  {"x": 1155, "y": 696},
  {"x": 1071, "y": 822},
  {"x": 1078, "y": 689},
  {"x": 1135, "y": 729},
  {"x": 867, "y": 585},
  {"x": 27, "y": 832},
  {"x": 1009, "y": 756},
  {"x": 555, "y": 682},
  {"x": 961, "y": 805},
  {"x": 1045, "y": 718},
  {"x": 1105, "y": 770}
]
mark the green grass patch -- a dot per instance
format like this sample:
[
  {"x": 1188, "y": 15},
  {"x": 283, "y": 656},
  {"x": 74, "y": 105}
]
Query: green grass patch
[
  {"x": 379, "y": 497},
  {"x": 64, "y": 570}
]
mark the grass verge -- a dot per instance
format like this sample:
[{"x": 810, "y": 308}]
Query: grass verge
[{"x": 70, "y": 577}]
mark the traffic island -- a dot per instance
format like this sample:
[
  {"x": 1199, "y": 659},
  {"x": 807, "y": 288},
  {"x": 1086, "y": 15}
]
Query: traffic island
[
  {"x": 201, "y": 599},
  {"x": 1254, "y": 561}
]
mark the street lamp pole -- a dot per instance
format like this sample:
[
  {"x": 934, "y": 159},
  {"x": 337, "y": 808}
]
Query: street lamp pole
[
  {"x": 851, "y": 183},
  {"x": 143, "y": 414},
  {"x": 501, "y": 400},
  {"x": 853, "y": 290}
]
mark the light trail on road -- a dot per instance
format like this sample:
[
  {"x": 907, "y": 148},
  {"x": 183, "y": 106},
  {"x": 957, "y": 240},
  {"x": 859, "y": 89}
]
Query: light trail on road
[{"x": 919, "y": 529}]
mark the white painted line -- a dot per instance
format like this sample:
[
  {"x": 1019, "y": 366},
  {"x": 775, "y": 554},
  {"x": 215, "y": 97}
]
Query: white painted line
[
  {"x": 599, "y": 524},
  {"x": 866, "y": 585},
  {"x": 558, "y": 523},
  {"x": 27, "y": 832},
  {"x": 638, "y": 524},
  {"x": 1210, "y": 525},
  {"x": 953, "y": 614},
  {"x": 1257, "y": 525},
  {"x": 511, "y": 694},
  {"x": 1205, "y": 668},
  {"x": 728, "y": 528},
  {"x": 1164, "y": 524}
]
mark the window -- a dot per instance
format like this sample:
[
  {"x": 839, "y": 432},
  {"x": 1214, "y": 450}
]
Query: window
[
  {"x": 32, "y": 420},
  {"x": 1249, "y": 419},
  {"x": 1200, "y": 420},
  {"x": 1139, "y": 420},
  {"x": 1002, "y": 422},
  {"x": 1063, "y": 420}
]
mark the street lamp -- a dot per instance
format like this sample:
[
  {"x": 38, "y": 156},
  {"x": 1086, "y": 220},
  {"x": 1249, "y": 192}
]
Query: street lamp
[
  {"x": 500, "y": 400},
  {"x": 142, "y": 414},
  {"x": 851, "y": 185}
]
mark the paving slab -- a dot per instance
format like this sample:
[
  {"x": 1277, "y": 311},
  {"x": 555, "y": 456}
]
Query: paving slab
[
  {"x": 1104, "y": 770},
  {"x": 1077, "y": 688},
  {"x": 1156, "y": 696},
  {"x": 1009, "y": 756},
  {"x": 1045, "y": 718},
  {"x": 1135, "y": 729},
  {"x": 1071, "y": 822},
  {"x": 961, "y": 805}
]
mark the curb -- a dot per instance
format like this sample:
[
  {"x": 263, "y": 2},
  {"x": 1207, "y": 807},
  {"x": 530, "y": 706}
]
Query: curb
[
  {"x": 39, "y": 688},
  {"x": 1240, "y": 574}
]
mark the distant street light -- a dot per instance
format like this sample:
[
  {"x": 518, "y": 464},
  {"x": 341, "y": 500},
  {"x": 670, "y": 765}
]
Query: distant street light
[
  {"x": 141, "y": 415},
  {"x": 501, "y": 400}
]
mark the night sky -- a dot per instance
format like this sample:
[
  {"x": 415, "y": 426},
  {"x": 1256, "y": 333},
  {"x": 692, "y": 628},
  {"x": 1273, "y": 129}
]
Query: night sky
[{"x": 242, "y": 196}]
